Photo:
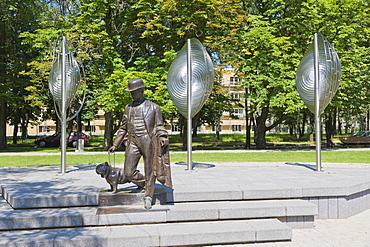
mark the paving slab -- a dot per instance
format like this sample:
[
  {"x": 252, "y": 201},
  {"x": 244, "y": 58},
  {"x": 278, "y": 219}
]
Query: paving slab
[
  {"x": 269, "y": 229},
  {"x": 44, "y": 186},
  {"x": 37, "y": 219},
  {"x": 11, "y": 219},
  {"x": 344, "y": 187},
  {"x": 177, "y": 234},
  {"x": 341, "y": 190}
]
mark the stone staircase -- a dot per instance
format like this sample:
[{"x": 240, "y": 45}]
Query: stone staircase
[
  {"x": 259, "y": 204},
  {"x": 170, "y": 224}
]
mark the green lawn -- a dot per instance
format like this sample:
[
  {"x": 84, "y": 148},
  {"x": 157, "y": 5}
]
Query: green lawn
[
  {"x": 201, "y": 142},
  {"x": 55, "y": 159},
  {"x": 281, "y": 156}
]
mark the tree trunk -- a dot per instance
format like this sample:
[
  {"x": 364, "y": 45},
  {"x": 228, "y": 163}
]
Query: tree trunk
[
  {"x": 354, "y": 125},
  {"x": 79, "y": 128},
  {"x": 298, "y": 127},
  {"x": 347, "y": 124},
  {"x": 69, "y": 127},
  {"x": 218, "y": 127},
  {"x": 329, "y": 130},
  {"x": 24, "y": 125},
  {"x": 312, "y": 126},
  {"x": 79, "y": 122},
  {"x": 108, "y": 133},
  {"x": 260, "y": 130},
  {"x": 339, "y": 131},
  {"x": 184, "y": 137},
  {"x": 303, "y": 124},
  {"x": 194, "y": 123},
  {"x": 15, "y": 130},
  {"x": 248, "y": 133},
  {"x": 3, "y": 101},
  {"x": 334, "y": 121},
  {"x": 182, "y": 123},
  {"x": 260, "y": 137},
  {"x": 3, "y": 115},
  {"x": 291, "y": 129},
  {"x": 89, "y": 126},
  {"x": 247, "y": 123}
]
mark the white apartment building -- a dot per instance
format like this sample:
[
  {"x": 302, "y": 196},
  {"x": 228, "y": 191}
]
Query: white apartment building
[{"x": 228, "y": 125}]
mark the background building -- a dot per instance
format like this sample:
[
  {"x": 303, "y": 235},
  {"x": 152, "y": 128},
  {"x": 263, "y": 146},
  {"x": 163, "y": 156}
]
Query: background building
[{"x": 96, "y": 127}]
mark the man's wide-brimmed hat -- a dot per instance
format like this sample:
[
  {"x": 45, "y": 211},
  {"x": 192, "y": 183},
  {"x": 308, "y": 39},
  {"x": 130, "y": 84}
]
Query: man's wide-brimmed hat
[{"x": 134, "y": 85}]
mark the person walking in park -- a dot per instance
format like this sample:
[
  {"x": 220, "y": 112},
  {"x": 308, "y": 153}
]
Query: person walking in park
[{"x": 147, "y": 137}]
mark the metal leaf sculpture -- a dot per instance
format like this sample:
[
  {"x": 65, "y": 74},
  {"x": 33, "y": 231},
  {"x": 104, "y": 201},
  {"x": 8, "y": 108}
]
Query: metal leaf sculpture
[
  {"x": 72, "y": 73},
  {"x": 202, "y": 78},
  {"x": 329, "y": 73}
]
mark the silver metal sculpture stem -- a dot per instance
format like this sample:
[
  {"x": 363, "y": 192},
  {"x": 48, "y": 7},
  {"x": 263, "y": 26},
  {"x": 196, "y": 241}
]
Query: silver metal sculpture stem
[
  {"x": 64, "y": 81},
  {"x": 317, "y": 104},
  {"x": 317, "y": 81},
  {"x": 64, "y": 110},
  {"x": 189, "y": 81}
]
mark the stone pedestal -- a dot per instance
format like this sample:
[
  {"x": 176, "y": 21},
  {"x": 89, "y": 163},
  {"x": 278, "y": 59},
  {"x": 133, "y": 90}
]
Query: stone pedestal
[{"x": 129, "y": 197}]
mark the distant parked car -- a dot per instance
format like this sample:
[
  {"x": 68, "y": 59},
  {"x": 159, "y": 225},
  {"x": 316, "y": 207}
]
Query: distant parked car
[
  {"x": 54, "y": 140},
  {"x": 362, "y": 137}
]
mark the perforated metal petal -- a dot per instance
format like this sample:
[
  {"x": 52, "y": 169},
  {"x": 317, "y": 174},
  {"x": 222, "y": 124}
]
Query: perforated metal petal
[
  {"x": 329, "y": 73},
  {"x": 72, "y": 76},
  {"x": 202, "y": 78}
]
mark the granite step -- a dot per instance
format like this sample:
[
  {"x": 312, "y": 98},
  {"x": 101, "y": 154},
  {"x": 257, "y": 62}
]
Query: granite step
[
  {"x": 170, "y": 234},
  {"x": 21, "y": 196},
  {"x": 295, "y": 213}
]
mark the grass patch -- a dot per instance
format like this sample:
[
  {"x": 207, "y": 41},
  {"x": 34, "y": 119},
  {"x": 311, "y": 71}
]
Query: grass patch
[
  {"x": 56, "y": 159},
  {"x": 282, "y": 156},
  {"x": 37, "y": 150},
  {"x": 210, "y": 138},
  {"x": 201, "y": 142}
]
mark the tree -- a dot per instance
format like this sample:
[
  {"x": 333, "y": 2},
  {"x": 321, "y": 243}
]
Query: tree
[
  {"x": 3, "y": 85},
  {"x": 83, "y": 25},
  {"x": 219, "y": 102},
  {"x": 15, "y": 17},
  {"x": 267, "y": 67},
  {"x": 277, "y": 36},
  {"x": 213, "y": 22},
  {"x": 263, "y": 40},
  {"x": 345, "y": 24}
]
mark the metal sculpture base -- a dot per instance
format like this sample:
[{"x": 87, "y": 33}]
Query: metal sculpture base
[{"x": 129, "y": 197}]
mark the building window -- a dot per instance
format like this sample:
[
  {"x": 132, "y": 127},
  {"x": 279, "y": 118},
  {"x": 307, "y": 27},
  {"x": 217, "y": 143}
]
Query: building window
[
  {"x": 234, "y": 81},
  {"x": 90, "y": 128},
  {"x": 214, "y": 128},
  {"x": 44, "y": 129},
  {"x": 175, "y": 128},
  {"x": 219, "y": 80},
  {"x": 239, "y": 112},
  {"x": 236, "y": 127},
  {"x": 235, "y": 96}
]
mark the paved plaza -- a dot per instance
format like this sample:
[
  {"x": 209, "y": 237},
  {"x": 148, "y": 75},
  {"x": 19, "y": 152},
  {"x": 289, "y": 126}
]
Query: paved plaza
[
  {"x": 244, "y": 181},
  {"x": 351, "y": 232}
]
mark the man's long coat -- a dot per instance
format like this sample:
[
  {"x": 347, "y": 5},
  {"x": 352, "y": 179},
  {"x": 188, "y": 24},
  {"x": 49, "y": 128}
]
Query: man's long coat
[{"x": 154, "y": 125}]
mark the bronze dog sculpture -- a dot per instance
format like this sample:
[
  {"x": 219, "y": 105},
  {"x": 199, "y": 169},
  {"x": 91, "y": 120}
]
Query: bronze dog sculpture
[{"x": 114, "y": 176}]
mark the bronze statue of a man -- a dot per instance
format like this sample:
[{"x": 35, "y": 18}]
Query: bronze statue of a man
[{"x": 147, "y": 137}]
